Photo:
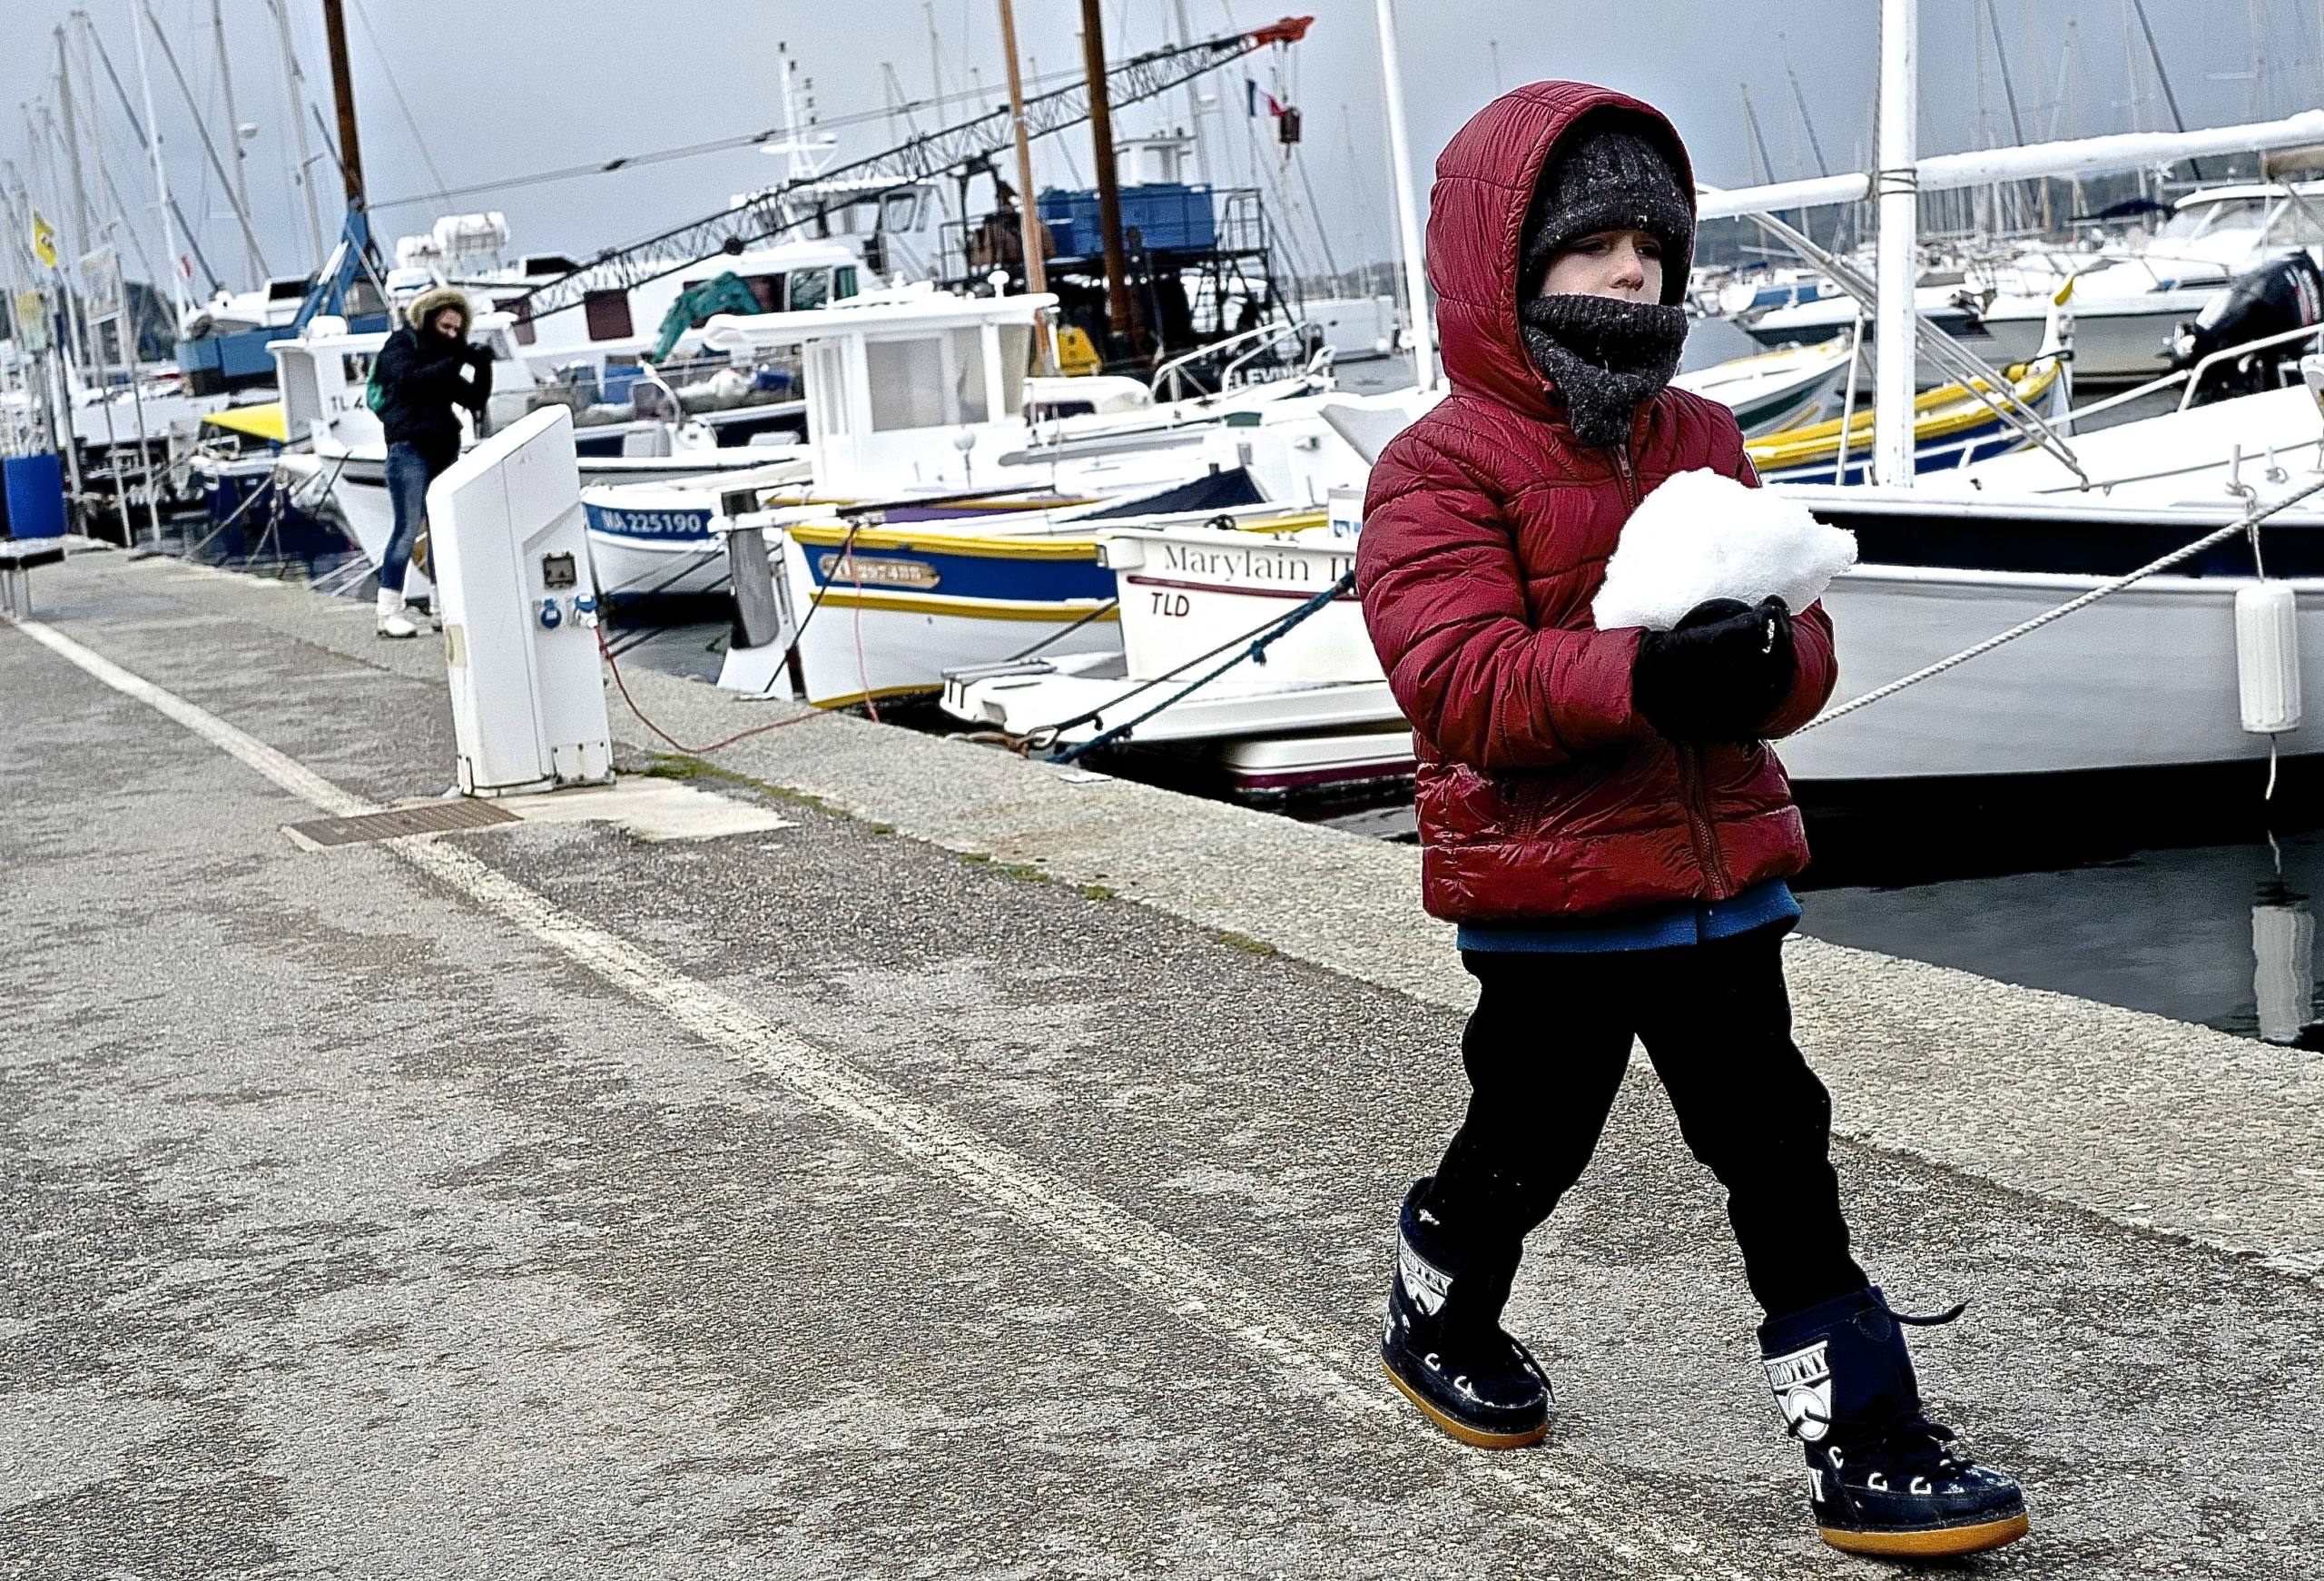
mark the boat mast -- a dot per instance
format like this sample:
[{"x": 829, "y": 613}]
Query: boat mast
[
  {"x": 179, "y": 298},
  {"x": 1193, "y": 105},
  {"x": 1400, "y": 157},
  {"x": 2008, "y": 89},
  {"x": 1898, "y": 186},
  {"x": 2256, "y": 100},
  {"x": 294, "y": 98},
  {"x": 112, "y": 212},
  {"x": 82, "y": 215},
  {"x": 235, "y": 142},
  {"x": 1029, "y": 219},
  {"x": 1109, "y": 197},
  {"x": 342, "y": 88},
  {"x": 255, "y": 259},
  {"x": 2170, "y": 99},
  {"x": 2068, "y": 93}
]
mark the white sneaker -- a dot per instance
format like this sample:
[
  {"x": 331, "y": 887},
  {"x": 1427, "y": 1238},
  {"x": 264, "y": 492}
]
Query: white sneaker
[{"x": 392, "y": 620}]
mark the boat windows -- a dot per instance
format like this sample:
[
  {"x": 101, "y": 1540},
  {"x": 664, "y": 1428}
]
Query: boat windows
[
  {"x": 843, "y": 283},
  {"x": 927, "y": 381},
  {"x": 527, "y": 331},
  {"x": 826, "y": 372},
  {"x": 967, "y": 346},
  {"x": 303, "y": 396},
  {"x": 907, "y": 380},
  {"x": 1016, "y": 366},
  {"x": 2298, "y": 225},
  {"x": 810, "y": 289},
  {"x": 901, "y": 211},
  {"x": 607, "y": 312},
  {"x": 2213, "y": 218}
]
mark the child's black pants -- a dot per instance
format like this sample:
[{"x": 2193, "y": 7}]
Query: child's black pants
[{"x": 1546, "y": 1051}]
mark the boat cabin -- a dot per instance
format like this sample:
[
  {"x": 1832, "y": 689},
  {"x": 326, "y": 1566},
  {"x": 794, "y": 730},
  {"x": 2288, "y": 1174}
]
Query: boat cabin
[{"x": 909, "y": 388}]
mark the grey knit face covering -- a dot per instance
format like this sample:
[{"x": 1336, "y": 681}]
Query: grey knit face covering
[{"x": 1605, "y": 356}]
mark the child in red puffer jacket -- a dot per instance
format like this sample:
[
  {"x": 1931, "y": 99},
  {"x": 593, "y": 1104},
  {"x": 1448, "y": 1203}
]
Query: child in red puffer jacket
[{"x": 1600, "y": 815}]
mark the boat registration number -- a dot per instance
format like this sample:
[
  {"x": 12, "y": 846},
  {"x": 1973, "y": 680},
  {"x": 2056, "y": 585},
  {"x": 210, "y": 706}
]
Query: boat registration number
[{"x": 870, "y": 572}]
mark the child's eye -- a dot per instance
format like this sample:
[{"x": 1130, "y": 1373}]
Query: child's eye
[{"x": 1649, "y": 249}]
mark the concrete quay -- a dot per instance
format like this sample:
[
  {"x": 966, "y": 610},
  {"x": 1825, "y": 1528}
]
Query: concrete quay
[{"x": 988, "y": 1172}]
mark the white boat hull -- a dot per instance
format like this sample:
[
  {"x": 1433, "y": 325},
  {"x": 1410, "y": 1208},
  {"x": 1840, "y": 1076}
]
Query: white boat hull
[
  {"x": 2146, "y": 678},
  {"x": 865, "y": 640},
  {"x": 648, "y": 540},
  {"x": 359, "y": 488},
  {"x": 2143, "y": 680},
  {"x": 2112, "y": 341}
]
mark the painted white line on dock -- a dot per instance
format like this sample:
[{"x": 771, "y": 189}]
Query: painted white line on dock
[
  {"x": 1143, "y": 1258},
  {"x": 284, "y": 770}
]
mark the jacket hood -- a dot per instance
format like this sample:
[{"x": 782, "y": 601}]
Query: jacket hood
[
  {"x": 428, "y": 303},
  {"x": 1485, "y": 180}
]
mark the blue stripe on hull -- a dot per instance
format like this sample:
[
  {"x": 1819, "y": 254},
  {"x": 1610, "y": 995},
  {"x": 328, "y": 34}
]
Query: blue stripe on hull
[{"x": 963, "y": 576}]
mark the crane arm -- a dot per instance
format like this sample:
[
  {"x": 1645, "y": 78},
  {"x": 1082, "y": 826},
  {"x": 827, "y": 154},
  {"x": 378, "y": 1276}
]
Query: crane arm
[{"x": 767, "y": 214}]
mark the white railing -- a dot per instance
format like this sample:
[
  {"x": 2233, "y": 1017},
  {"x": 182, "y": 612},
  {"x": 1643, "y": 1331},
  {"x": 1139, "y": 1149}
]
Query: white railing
[
  {"x": 2193, "y": 376},
  {"x": 1256, "y": 341}
]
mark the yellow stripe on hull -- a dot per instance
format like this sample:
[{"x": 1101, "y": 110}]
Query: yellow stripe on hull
[
  {"x": 877, "y": 695},
  {"x": 937, "y": 604},
  {"x": 1939, "y": 414},
  {"x": 830, "y": 534}
]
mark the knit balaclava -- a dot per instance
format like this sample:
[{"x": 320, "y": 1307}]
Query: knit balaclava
[{"x": 1604, "y": 355}]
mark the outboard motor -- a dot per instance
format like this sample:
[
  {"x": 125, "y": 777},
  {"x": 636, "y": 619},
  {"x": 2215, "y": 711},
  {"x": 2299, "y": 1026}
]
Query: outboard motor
[{"x": 2283, "y": 294}]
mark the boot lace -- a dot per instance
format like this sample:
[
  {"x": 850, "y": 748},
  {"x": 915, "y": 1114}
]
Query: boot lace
[{"x": 1910, "y": 1448}]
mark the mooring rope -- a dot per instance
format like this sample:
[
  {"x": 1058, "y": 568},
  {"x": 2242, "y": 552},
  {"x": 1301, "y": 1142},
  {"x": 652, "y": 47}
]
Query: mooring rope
[{"x": 1255, "y": 651}]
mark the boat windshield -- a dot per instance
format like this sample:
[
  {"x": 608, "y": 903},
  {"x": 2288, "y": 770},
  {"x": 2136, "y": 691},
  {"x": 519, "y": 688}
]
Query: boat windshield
[
  {"x": 2212, "y": 219},
  {"x": 2300, "y": 223}
]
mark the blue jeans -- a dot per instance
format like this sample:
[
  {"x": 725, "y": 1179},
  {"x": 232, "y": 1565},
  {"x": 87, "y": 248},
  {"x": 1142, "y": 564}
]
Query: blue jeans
[{"x": 409, "y": 471}]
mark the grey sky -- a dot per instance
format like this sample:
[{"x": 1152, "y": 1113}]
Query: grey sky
[{"x": 499, "y": 88}]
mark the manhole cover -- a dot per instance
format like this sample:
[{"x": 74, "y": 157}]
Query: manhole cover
[{"x": 433, "y": 818}]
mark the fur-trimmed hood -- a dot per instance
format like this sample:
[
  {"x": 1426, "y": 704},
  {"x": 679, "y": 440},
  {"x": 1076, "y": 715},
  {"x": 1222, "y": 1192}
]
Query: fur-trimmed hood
[{"x": 429, "y": 303}]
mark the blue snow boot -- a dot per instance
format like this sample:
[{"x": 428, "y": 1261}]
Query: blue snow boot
[
  {"x": 1444, "y": 1345},
  {"x": 1884, "y": 1480}
]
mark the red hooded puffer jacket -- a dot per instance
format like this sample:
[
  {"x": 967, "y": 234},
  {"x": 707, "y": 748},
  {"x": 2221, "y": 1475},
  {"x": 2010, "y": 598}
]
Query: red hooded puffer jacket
[{"x": 1487, "y": 528}]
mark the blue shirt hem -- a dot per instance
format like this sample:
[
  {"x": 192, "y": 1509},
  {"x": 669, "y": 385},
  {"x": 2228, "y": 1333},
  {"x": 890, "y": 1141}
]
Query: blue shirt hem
[{"x": 1656, "y": 928}]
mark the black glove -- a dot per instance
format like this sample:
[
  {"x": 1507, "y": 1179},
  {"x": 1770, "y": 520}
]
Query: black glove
[
  {"x": 1718, "y": 673},
  {"x": 475, "y": 355}
]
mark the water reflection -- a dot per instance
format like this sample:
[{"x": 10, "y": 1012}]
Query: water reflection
[{"x": 2283, "y": 950}]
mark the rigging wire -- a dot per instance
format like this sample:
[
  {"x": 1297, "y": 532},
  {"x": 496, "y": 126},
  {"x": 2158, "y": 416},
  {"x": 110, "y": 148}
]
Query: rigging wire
[
  {"x": 363, "y": 15},
  {"x": 711, "y": 145}
]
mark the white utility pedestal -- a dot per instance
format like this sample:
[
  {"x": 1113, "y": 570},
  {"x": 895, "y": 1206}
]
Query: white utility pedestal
[{"x": 511, "y": 553}]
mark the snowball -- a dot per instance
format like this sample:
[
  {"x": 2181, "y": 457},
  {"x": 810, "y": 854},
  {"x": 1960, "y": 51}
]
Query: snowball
[{"x": 1701, "y": 536}]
